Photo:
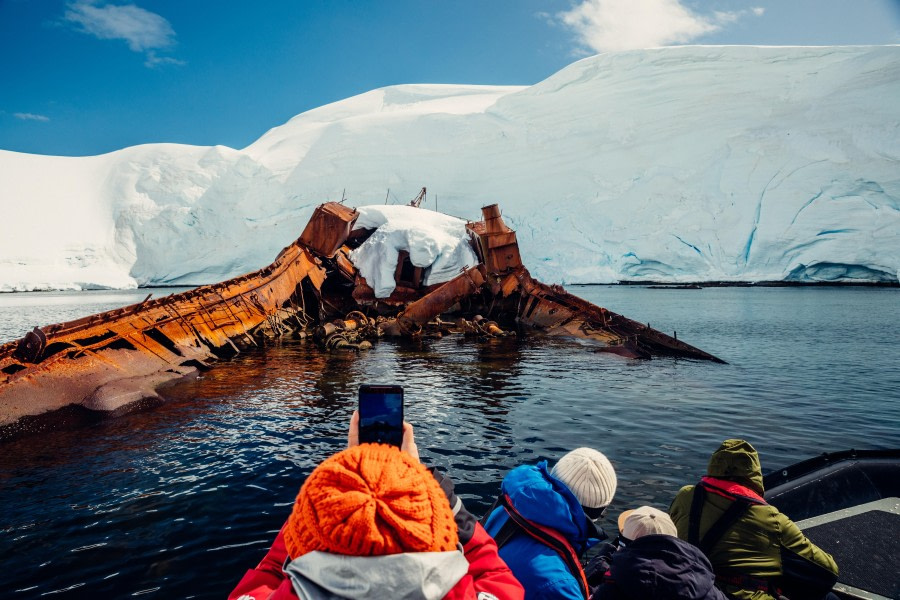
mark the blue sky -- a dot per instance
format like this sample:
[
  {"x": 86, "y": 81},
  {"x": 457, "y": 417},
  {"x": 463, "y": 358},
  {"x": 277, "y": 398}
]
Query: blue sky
[{"x": 81, "y": 77}]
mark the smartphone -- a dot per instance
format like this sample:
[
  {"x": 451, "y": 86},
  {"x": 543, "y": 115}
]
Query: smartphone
[{"x": 381, "y": 414}]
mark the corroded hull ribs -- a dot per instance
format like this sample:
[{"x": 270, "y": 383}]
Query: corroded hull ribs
[{"x": 110, "y": 361}]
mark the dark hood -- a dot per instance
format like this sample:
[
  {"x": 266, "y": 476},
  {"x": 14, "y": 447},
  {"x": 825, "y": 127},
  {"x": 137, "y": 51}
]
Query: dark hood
[
  {"x": 663, "y": 566},
  {"x": 737, "y": 460}
]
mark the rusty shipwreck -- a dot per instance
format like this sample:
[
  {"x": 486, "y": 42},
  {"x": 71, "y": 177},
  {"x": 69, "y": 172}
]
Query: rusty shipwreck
[{"x": 113, "y": 360}]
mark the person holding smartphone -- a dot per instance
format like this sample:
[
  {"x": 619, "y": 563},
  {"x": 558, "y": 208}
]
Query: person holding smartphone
[
  {"x": 373, "y": 522},
  {"x": 380, "y": 414}
]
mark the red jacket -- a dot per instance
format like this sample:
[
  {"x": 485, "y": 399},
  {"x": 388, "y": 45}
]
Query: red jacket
[{"x": 487, "y": 574}]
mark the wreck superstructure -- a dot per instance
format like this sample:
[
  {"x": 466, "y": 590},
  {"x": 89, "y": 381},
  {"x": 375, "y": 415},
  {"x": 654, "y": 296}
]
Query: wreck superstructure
[{"x": 112, "y": 360}]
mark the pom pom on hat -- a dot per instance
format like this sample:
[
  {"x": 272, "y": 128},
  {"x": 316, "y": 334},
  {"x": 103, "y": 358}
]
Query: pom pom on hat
[
  {"x": 589, "y": 475},
  {"x": 370, "y": 500},
  {"x": 646, "y": 520}
]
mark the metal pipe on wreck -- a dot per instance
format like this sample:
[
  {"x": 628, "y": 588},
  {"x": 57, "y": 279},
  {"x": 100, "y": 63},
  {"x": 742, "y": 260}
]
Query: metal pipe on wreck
[{"x": 426, "y": 308}]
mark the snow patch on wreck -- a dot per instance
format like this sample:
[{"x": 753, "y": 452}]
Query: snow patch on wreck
[{"x": 437, "y": 243}]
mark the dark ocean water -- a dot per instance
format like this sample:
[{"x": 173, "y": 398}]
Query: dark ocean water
[{"x": 178, "y": 500}]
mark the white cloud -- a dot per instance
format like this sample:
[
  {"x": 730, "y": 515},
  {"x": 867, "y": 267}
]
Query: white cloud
[
  {"x": 142, "y": 30},
  {"x": 154, "y": 61},
  {"x": 31, "y": 117},
  {"x": 726, "y": 18},
  {"x": 603, "y": 25}
]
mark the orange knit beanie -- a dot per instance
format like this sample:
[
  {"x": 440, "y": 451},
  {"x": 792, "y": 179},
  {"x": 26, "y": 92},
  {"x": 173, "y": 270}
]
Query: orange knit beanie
[{"x": 370, "y": 500}]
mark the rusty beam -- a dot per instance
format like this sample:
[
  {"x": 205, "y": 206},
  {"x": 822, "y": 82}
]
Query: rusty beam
[{"x": 426, "y": 308}]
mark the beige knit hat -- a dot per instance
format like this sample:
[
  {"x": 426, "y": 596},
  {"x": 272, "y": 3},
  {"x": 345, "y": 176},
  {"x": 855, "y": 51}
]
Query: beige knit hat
[
  {"x": 589, "y": 475},
  {"x": 645, "y": 520}
]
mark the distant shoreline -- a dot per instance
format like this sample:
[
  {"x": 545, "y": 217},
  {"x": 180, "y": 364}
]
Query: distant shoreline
[
  {"x": 704, "y": 284},
  {"x": 659, "y": 285}
]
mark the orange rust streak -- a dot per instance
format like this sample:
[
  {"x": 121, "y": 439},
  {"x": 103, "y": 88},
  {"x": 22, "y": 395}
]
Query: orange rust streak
[{"x": 144, "y": 340}]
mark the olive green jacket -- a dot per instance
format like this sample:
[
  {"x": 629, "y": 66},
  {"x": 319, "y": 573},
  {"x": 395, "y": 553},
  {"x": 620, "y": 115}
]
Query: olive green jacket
[{"x": 763, "y": 544}]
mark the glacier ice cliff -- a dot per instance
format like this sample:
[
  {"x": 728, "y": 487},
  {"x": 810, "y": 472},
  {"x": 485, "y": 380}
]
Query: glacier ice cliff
[{"x": 693, "y": 163}]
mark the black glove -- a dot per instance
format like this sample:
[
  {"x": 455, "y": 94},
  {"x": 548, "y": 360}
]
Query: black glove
[
  {"x": 465, "y": 521},
  {"x": 599, "y": 564}
]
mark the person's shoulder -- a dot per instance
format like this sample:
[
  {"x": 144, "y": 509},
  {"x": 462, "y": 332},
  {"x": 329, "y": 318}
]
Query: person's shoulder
[
  {"x": 767, "y": 520},
  {"x": 523, "y": 472},
  {"x": 770, "y": 513},
  {"x": 685, "y": 489},
  {"x": 784, "y": 523},
  {"x": 681, "y": 497}
]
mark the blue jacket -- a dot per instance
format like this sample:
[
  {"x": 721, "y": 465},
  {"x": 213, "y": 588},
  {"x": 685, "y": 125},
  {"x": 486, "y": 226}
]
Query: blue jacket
[
  {"x": 542, "y": 499},
  {"x": 659, "y": 566}
]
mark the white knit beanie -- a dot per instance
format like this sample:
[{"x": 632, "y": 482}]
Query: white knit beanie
[{"x": 589, "y": 475}]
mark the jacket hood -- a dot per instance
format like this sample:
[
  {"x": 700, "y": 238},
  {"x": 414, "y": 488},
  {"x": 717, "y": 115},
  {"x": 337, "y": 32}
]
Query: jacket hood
[
  {"x": 737, "y": 460},
  {"x": 421, "y": 575},
  {"x": 545, "y": 500},
  {"x": 663, "y": 566}
]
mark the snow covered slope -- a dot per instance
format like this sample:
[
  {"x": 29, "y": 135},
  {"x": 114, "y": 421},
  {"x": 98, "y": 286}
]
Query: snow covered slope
[{"x": 673, "y": 164}]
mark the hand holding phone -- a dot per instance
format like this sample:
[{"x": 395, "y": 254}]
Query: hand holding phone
[
  {"x": 381, "y": 414},
  {"x": 409, "y": 438}
]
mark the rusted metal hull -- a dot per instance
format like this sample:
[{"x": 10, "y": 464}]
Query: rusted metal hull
[
  {"x": 553, "y": 311},
  {"x": 558, "y": 312},
  {"x": 110, "y": 361}
]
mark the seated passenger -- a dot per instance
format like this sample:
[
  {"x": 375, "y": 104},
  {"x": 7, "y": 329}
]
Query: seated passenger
[
  {"x": 544, "y": 523},
  {"x": 372, "y": 522},
  {"x": 756, "y": 552},
  {"x": 652, "y": 563}
]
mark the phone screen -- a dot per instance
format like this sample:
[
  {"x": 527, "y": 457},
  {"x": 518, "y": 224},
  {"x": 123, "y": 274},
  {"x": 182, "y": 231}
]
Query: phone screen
[{"x": 381, "y": 414}]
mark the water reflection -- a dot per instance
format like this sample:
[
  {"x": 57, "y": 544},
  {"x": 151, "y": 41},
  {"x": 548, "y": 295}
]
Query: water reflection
[{"x": 113, "y": 507}]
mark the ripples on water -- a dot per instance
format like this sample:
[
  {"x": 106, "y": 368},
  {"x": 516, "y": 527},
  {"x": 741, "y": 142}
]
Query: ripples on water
[{"x": 179, "y": 500}]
